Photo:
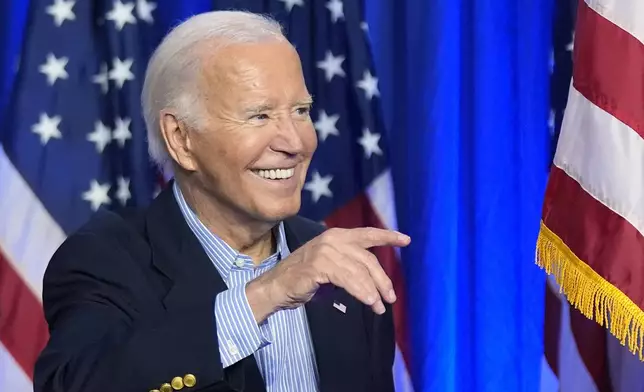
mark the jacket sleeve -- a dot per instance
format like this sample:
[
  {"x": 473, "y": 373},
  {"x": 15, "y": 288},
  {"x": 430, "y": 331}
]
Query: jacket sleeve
[{"x": 107, "y": 335}]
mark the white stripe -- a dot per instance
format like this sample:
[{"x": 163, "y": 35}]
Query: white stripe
[
  {"x": 28, "y": 234},
  {"x": 605, "y": 156},
  {"x": 626, "y": 14},
  {"x": 548, "y": 381},
  {"x": 554, "y": 286},
  {"x": 12, "y": 378},
  {"x": 572, "y": 370},
  {"x": 381, "y": 194},
  {"x": 626, "y": 370},
  {"x": 573, "y": 375},
  {"x": 402, "y": 381}
]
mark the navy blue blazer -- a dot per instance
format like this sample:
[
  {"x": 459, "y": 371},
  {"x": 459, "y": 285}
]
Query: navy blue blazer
[{"x": 129, "y": 299}]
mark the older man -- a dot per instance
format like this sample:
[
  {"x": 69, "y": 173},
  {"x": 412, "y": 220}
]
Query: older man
[{"x": 219, "y": 285}]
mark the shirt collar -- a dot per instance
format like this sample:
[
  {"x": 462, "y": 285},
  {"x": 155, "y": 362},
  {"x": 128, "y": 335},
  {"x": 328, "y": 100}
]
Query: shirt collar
[{"x": 222, "y": 255}]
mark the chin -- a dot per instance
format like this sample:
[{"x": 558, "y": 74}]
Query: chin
[{"x": 277, "y": 211}]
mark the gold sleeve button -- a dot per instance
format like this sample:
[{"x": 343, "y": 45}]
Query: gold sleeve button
[
  {"x": 154, "y": 390},
  {"x": 165, "y": 388},
  {"x": 189, "y": 380},
  {"x": 177, "y": 383}
]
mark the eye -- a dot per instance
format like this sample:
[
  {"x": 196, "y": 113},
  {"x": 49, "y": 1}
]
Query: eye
[
  {"x": 260, "y": 116},
  {"x": 303, "y": 111}
]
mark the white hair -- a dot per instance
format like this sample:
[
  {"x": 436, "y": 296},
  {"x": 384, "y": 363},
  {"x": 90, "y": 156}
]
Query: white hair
[{"x": 173, "y": 69}]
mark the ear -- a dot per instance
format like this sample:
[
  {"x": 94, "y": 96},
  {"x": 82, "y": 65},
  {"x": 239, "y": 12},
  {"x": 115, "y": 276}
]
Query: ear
[{"x": 177, "y": 140}]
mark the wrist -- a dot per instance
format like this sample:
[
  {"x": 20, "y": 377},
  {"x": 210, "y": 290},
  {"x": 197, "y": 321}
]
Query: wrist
[{"x": 260, "y": 299}]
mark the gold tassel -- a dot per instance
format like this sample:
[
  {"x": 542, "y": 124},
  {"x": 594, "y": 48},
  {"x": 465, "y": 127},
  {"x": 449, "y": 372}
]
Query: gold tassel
[{"x": 589, "y": 292}]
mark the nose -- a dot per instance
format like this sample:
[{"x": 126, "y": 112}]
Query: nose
[{"x": 289, "y": 137}]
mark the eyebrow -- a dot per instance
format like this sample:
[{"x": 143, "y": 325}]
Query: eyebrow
[
  {"x": 258, "y": 108},
  {"x": 305, "y": 101},
  {"x": 261, "y": 107}
]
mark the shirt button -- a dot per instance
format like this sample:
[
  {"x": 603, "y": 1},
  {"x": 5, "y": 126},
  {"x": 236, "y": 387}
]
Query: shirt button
[{"x": 239, "y": 262}]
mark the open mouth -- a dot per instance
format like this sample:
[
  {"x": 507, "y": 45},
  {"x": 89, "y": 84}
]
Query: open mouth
[{"x": 275, "y": 174}]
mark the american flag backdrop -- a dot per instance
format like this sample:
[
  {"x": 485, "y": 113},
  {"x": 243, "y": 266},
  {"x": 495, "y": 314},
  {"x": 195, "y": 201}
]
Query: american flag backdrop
[
  {"x": 596, "y": 110},
  {"x": 74, "y": 142}
]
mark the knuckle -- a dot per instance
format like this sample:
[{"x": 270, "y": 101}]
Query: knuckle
[
  {"x": 388, "y": 285},
  {"x": 318, "y": 263},
  {"x": 364, "y": 292},
  {"x": 360, "y": 278},
  {"x": 331, "y": 233},
  {"x": 371, "y": 262},
  {"x": 321, "y": 260},
  {"x": 372, "y": 259},
  {"x": 323, "y": 249},
  {"x": 363, "y": 276},
  {"x": 372, "y": 234}
]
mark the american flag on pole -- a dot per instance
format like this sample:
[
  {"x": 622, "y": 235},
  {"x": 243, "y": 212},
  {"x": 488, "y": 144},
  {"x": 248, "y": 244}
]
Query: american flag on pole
[
  {"x": 74, "y": 142},
  {"x": 591, "y": 241}
]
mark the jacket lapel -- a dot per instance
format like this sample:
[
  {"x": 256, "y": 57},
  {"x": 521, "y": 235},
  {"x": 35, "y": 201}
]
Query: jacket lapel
[
  {"x": 193, "y": 279},
  {"x": 327, "y": 324},
  {"x": 177, "y": 253}
]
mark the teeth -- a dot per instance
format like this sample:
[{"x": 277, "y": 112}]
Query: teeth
[{"x": 275, "y": 174}]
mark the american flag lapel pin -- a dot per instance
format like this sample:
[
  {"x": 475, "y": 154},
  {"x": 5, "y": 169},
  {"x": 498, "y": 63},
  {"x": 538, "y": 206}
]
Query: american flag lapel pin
[{"x": 340, "y": 307}]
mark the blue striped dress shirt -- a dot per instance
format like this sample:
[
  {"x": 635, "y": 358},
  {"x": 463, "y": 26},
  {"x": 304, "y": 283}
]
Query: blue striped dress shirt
[{"x": 282, "y": 344}]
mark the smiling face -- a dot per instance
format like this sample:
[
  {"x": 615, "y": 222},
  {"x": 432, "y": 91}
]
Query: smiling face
[{"x": 254, "y": 144}]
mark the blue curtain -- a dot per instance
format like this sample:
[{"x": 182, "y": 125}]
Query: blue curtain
[
  {"x": 464, "y": 86},
  {"x": 12, "y": 24},
  {"x": 465, "y": 90}
]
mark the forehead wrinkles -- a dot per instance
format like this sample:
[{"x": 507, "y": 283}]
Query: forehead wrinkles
[
  {"x": 238, "y": 76},
  {"x": 267, "y": 83},
  {"x": 245, "y": 74},
  {"x": 229, "y": 75}
]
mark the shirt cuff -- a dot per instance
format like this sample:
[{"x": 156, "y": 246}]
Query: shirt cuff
[{"x": 238, "y": 333}]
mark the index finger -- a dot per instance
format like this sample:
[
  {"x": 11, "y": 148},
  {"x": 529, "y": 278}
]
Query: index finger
[{"x": 368, "y": 237}]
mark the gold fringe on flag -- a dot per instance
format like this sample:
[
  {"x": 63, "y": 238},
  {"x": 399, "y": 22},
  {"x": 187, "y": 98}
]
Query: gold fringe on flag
[{"x": 589, "y": 292}]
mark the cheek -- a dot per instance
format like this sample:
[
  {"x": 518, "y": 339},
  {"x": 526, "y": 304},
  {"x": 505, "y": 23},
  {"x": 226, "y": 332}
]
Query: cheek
[
  {"x": 309, "y": 138},
  {"x": 213, "y": 155},
  {"x": 251, "y": 148}
]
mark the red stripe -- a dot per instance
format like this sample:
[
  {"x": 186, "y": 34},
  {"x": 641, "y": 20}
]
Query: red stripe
[
  {"x": 609, "y": 67},
  {"x": 604, "y": 240},
  {"x": 23, "y": 329},
  {"x": 552, "y": 329},
  {"x": 360, "y": 213},
  {"x": 591, "y": 342}
]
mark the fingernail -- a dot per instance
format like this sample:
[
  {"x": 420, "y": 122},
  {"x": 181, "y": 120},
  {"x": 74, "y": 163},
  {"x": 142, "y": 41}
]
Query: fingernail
[
  {"x": 403, "y": 237},
  {"x": 392, "y": 296},
  {"x": 380, "y": 308}
]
